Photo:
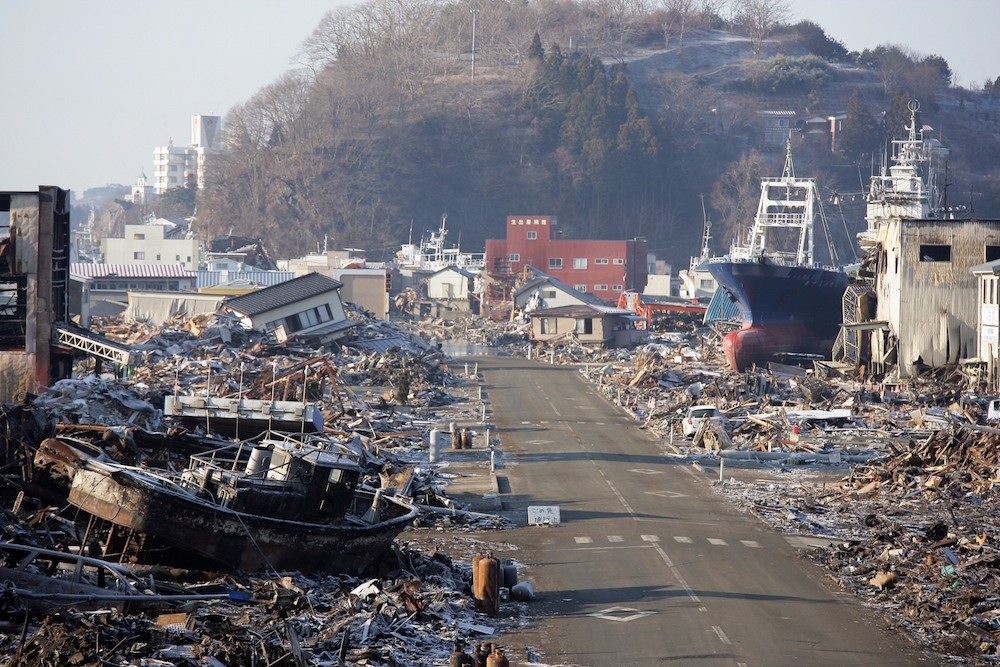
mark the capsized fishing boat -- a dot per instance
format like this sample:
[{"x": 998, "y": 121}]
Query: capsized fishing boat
[
  {"x": 789, "y": 305},
  {"x": 281, "y": 502}
]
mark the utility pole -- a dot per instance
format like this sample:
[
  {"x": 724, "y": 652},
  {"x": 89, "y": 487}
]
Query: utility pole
[{"x": 474, "y": 12}]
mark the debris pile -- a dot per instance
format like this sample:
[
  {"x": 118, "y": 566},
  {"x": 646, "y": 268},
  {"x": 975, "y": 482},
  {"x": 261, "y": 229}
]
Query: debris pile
[{"x": 413, "y": 615}]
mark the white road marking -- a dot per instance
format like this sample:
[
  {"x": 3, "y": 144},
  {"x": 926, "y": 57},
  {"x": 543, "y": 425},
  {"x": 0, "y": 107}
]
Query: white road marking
[
  {"x": 538, "y": 442},
  {"x": 599, "y": 423},
  {"x": 650, "y": 538},
  {"x": 750, "y": 543},
  {"x": 558, "y": 414},
  {"x": 666, "y": 494},
  {"x": 621, "y": 499},
  {"x": 682, "y": 539},
  {"x": 620, "y": 614},
  {"x": 646, "y": 471},
  {"x": 677, "y": 574},
  {"x": 583, "y": 540},
  {"x": 722, "y": 635},
  {"x": 717, "y": 542},
  {"x": 615, "y": 538},
  {"x": 581, "y": 422},
  {"x": 525, "y": 422}
]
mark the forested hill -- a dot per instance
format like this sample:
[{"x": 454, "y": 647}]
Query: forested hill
[{"x": 612, "y": 117}]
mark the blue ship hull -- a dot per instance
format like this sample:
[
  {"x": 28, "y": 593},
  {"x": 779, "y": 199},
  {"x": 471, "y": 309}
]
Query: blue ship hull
[{"x": 785, "y": 309}]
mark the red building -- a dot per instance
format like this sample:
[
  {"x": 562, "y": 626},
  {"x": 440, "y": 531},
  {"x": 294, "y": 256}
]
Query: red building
[{"x": 602, "y": 268}]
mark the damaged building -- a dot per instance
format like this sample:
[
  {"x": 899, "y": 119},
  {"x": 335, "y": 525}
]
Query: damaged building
[
  {"x": 34, "y": 285},
  {"x": 927, "y": 291}
]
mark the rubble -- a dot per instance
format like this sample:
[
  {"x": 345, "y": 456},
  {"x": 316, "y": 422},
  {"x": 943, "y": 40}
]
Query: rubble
[
  {"x": 411, "y": 616},
  {"x": 381, "y": 392}
]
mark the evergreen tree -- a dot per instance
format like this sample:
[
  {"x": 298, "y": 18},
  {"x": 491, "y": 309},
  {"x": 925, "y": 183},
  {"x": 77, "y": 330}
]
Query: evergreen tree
[
  {"x": 860, "y": 131},
  {"x": 897, "y": 116},
  {"x": 535, "y": 51}
]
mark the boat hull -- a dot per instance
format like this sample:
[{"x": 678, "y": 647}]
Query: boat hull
[
  {"x": 785, "y": 309},
  {"x": 240, "y": 541}
]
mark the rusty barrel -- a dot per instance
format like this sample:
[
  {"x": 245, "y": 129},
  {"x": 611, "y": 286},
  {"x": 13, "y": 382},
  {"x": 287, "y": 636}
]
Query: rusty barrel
[
  {"x": 497, "y": 659},
  {"x": 486, "y": 584}
]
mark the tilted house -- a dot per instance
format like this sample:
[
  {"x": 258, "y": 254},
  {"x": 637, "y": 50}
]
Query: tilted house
[{"x": 306, "y": 307}]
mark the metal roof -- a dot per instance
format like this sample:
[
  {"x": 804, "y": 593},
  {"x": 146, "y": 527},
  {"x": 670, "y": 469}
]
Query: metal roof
[
  {"x": 326, "y": 329},
  {"x": 282, "y": 294},
  {"x": 383, "y": 345},
  {"x": 131, "y": 270}
]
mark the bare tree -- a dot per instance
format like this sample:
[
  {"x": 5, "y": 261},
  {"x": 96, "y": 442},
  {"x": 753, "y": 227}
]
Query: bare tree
[
  {"x": 735, "y": 196},
  {"x": 759, "y": 17},
  {"x": 893, "y": 62},
  {"x": 684, "y": 11}
]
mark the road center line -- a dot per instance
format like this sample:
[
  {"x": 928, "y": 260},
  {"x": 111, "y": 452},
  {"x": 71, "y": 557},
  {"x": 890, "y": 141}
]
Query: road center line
[
  {"x": 676, "y": 573},
  {"x": 722, "y": 635},
  {"x": 558, "y": 414},
  {"x": 621, "y": 499}
]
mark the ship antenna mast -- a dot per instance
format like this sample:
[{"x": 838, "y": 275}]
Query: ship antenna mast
[{"x": 708, "y": 229}]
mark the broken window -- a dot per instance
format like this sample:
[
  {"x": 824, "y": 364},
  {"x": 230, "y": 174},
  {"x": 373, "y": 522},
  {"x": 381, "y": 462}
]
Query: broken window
[
  {"x": 935, "y": 253},
  {"x": 13, "y": 312},
  {"x": 585, "y": 325}
]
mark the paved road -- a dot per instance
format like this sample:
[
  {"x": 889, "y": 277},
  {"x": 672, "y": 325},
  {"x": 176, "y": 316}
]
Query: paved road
[{"x": 648, "y": 566}]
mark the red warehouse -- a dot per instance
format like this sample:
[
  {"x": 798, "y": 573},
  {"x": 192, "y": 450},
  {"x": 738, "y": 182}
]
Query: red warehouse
[{"x": 602, "y": 268}]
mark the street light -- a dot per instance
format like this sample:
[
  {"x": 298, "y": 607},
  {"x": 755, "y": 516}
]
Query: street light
[{"x": 474, "y": 12}]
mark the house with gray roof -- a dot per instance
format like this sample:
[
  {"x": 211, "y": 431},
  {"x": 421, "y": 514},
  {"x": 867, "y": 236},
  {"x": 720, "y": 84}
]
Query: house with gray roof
[
  {"x": 308, "y": 307},
  {"x": 547, "y": 292}
]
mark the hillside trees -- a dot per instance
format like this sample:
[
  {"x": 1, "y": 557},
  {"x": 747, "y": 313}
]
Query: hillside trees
[
  {"x": 735, "y": 196},
  {"x": 860, "y": 135},
  {"x": 897, "y": 116},
  {"x": 759, "y": 18}
]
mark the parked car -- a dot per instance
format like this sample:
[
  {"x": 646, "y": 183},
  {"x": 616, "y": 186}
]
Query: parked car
[{"x": 692, "y": 420}]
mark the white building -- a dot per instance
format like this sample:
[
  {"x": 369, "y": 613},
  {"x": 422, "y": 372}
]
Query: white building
[
  {"x": 176, "y": 166},
  {"x": 161, "y": 242},
  {"x": 988, "y": 331},
  {"x": 142, "y": 191}
]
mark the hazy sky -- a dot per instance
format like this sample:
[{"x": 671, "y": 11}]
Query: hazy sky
[{"x": 89, "y": 88}]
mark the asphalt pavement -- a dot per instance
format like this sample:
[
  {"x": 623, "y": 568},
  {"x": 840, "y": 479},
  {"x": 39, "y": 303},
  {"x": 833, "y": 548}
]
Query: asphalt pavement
[{"x": 647, "y": 565}]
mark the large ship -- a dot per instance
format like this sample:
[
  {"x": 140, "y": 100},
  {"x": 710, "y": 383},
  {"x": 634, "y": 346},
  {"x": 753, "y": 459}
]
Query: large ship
[{"x": 789, "y": 304}]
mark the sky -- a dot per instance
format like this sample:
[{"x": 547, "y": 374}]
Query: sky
[{"x": 89, "y": 88}]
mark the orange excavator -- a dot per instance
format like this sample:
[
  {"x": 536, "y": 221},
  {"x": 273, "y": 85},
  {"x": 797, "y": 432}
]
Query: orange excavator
[{"x": 644, "y": 305}]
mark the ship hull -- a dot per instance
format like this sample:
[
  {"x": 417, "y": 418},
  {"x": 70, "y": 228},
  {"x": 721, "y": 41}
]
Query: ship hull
[{"x": 785, "y": 309}]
